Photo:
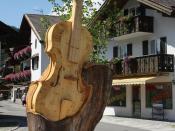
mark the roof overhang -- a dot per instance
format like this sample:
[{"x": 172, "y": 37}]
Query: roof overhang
[
  {"x": 120, "y": 3},
  {"x": 158, "y": 6},
  {"x": 32, "y": 27}
]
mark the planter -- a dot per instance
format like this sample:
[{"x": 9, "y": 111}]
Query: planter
[{"x": 23, "y": 54}]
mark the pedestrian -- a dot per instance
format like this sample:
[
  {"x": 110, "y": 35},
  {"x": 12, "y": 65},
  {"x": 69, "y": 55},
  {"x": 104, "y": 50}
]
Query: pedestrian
[{"x": 23, "y": 99}]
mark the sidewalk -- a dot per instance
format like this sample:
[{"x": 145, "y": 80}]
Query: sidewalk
[
  {"x": 12, "y": 115},
  {"x": 150, "y": 125},
  {"x": 18, "y": 102}
]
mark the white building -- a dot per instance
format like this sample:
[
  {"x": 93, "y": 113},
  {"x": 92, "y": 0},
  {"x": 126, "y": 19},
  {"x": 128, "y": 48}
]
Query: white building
[
  {"x": 144, "y": 40},
  {"x": 34, "y": 27}
]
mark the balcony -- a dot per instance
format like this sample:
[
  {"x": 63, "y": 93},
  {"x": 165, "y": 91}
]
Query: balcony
[
  {"x": 144, "y": 66},
  {"x": 134, "y": 27},
  {"x": 23, "y": 54},
  {"x": 22, "y": 76}
]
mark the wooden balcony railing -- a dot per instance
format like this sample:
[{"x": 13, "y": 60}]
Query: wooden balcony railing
[
  {"x": 146, "y": 65},
  {"x": 135, "y": 24}
]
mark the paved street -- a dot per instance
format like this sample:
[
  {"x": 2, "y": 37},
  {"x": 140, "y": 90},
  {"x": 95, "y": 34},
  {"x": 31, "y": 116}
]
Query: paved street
[
  {"x": 111, "y": 127},
  {"x": 148, "y": 125},
  {"x": 13, "y": 114},
  {"x": 13, "y": 118}
]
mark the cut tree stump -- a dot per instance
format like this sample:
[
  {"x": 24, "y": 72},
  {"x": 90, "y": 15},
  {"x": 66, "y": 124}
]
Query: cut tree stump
[{"x": 99, "y": 77}]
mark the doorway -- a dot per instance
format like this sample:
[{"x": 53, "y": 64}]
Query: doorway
[{"x": 136, "y": 100}]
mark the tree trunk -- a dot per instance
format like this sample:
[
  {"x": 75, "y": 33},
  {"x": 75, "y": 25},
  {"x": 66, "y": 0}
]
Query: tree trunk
[{"x": 100, "y": 79}]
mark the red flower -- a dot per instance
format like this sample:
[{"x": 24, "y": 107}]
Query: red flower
[
  {"x": 22, "y": 53},
  {"x": 20, "y": 76}
]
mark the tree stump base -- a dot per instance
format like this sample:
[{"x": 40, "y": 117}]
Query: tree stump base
[{"x": 100, "y": 79}]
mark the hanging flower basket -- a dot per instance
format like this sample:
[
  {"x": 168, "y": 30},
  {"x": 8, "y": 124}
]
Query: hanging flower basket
[
  {"x": 10, "y": 77},
  {"x": 19, "y": 77},
  {"x": 27, "y": 51},
  {"x": 7, "y": 77},
  {"x": 23, "y": 54}
]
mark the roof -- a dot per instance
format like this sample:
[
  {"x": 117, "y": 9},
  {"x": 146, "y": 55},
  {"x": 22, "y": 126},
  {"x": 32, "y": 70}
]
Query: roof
[
  {"x": 36, "y": 24},
  {"x": 164, "y": 6},
  {"x": 168, "y": 3},
  {"x": 6, "y": 29},
  {"x": 9, "y": 36}
]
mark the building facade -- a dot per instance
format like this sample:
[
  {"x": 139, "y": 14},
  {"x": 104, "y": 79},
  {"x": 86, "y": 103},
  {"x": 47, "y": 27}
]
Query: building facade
[
  {"x": 12, "y": 72},
  {"x": 35, "y": 27},
  {"x": 24, "y": 59},
  {"x": 143, "y": 49},
  {"x": 40, "y": 59}
]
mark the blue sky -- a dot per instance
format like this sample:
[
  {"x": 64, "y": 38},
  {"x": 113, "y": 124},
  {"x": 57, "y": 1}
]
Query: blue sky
[{"x": 11, "y": 11}]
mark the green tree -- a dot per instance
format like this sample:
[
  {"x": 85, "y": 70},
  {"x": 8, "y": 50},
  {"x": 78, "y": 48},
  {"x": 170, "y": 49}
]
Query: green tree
[{"x": 101, "y": 29}]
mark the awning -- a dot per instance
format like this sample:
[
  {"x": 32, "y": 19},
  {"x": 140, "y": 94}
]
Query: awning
[{"x": 142, "y": 80}]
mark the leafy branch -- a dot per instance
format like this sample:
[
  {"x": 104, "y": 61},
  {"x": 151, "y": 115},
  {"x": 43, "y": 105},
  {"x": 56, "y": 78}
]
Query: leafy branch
[{"x": 101, "y": 29}]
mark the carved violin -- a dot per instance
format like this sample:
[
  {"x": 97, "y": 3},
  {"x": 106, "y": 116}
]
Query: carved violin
[{"x": 61, "y": 92}]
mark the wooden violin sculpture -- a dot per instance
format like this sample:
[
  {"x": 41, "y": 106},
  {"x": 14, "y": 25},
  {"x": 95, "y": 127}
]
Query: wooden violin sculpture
[{"x": 61, "y": 92}]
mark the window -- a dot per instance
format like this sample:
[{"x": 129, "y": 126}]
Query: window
[
  {"x": 163, "y": 45},
  {"x": 35, "y": 43},
  {"x": 136, "y": 11},
  {"x": 145, "y": 47},
  {"x": 125, "y": 12},
  {"x": 133, "y": 11},
  {"x": 159, "y": 94},
  {"x": 115, "y": 51},
  {"x": 122, "y": 51},
  {"x": 26, "y": 65},
  {"x": 140, "y": 11},
  {"x": 153, "y": 47},
  {"x": 129, "y": 49},
  {"x": 35, "y": 61},
  {"x": 118, "y": 96}
]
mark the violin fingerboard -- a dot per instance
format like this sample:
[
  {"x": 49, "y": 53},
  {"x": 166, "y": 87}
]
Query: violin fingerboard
[{"x": 73, "y": 54}]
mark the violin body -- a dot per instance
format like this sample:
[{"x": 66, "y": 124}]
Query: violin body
[{"x": 61, "y": 92}]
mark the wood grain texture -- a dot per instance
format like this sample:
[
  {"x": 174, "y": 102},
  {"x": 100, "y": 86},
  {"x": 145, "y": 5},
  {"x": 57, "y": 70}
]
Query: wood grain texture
[
  {"x": 99, "y": 77},
  {"x": 76, "y": 30},
  {"x": 61, "y": 81}
]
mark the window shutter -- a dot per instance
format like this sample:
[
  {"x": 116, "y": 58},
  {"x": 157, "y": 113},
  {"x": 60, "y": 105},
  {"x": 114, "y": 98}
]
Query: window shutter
[
  {"x": 158, "y": 46},
  {"x": 120, "y": 52},
  {"x": 153, "y": 47}
]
